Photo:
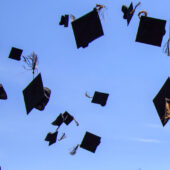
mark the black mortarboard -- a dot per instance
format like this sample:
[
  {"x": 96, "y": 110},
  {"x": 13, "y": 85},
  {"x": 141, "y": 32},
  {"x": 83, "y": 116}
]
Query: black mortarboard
[
  {"x": 128, "y": 12},
  {"x": 161, "y": 102},
  {"x": 15, "y": 53},
  {"x": 51, "y": 137},
  {"x": 59, "y": 120},
  {"x": 100, "y": 98},
  {"x": 3, "y": 94},
  {"x": 151, "y": 31},
  {"x": 35, "y": 95},
  {"x": 65, "y": 117},
  {"x": 64, "y": 20},
  {"x": 87, "y": 28},
  {"x": 90, "y": 142}
]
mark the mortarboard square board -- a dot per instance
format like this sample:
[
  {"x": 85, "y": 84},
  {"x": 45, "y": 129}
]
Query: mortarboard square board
[
  {"x": 128, "y": 13},
  {"x": 51, "y": 137},
  {"x": 162, "y": 102},
  {"x": 151, "y": 31},
  {"x": 3, "y": 94},
  {"x": 59, "y": 120},
  {"x": 67, "y": 118},
  {"x": 87, "y": 28},
  {"x": 15, "y": 53},
  {"x": 64, "y": 20},
  {"x": 90, "y": 142},
  {"x": 33, "y": 93},
  {"x": 100, "y": 98}
]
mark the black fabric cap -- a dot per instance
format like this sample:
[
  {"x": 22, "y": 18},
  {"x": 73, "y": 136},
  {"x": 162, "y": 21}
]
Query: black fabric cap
[
  {"x": 59, "y": 120},
  {"x": 67, "y": 118},
  {"x": 87, "y": 28},
  {"x": 90, "y": 142},
  {"x": 128, "y": 13},
  {"x": 51, "y": 137},
  {"x": 160, "y": 101},
  {"x": 100, "y": 98},
  {"x": 45, "y": 99},
  {"x": 33, "y": 93},
  {"x": 3, "y": 94},
  {"x": 64, "y": 20},
  {"x": 151, "y": 31},
  {"x": 15, "y": 53}
]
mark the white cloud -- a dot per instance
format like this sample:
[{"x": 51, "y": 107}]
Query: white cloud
[{"x": 146, "y": 140}]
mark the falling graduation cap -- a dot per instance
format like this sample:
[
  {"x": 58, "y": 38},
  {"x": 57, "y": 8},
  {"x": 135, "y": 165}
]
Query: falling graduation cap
[
  {"x": 162, "y": 102},
  {"x": 151, "y": 31},
  {"x": 3, "y": 94},
  {"x": 128, "y": 12},
  {"x": 87, "y": 28},
  {"x": 15, "y": 53},
  {"x": 66, "y": 118},
  {"x": 99, "y": 98},
  {"x": 90, "y": 142},
  {"x": 35, "y": 95},
  {"x": 51, "y": 137},
  {"x": 64, "y": 20}
]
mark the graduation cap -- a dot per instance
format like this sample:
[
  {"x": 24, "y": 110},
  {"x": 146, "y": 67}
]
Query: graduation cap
[
  {"x": 87, "y": 28},
  {"x": 66, "y": 118},
  {"x": 89, "y": 142},
  {"x": 129, "y": 11},
  {"x": 100, "y": 98},
  {"x": 64, "y": 20},
  {"x": 151, "y": 31},
  {"x": 15, "y": 53},
  {"x": 162, "y": 102},
  {"x": 3, "y": 94},
  {"x": 51, "y": 137},
  {"x": 35, "y": 95}
]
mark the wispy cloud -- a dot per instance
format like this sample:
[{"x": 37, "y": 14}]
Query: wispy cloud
[{"x": 146, "y": 140}]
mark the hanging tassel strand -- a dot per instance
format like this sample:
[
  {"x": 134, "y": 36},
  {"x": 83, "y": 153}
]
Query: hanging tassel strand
[
  {"x": 62, "y": 137},
  {"x": 135, "y": 7},
  {"x": 73, "y": 152}
]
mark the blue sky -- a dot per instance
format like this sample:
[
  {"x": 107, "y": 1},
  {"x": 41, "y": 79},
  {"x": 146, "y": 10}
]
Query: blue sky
[{"x": 132, "y": 135}]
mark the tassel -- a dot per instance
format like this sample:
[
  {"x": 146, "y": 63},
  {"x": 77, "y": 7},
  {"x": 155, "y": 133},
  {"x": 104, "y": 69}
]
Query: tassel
[
  {"x": 166, "y": 46},
  {"x": 87, "y": 95},
  {"x": 72, "y": 17},
  {"x": 62, "y": 137},
  {"x": 77, "y": 123},
  {"x": 100, "y": 10},
  {"x": 73, "y": 152},
  {"x": 135, "y": 7},
  {"x": 31, "y": 62}
]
